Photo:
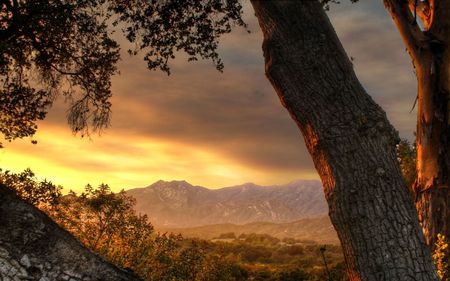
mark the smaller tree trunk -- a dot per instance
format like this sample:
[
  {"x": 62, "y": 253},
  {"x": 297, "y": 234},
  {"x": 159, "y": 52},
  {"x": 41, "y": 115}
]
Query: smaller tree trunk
[
  {"x": 431, "y": 58},
  {"x": 431, "y": 189},
  {"x": 33, "y": 247}
]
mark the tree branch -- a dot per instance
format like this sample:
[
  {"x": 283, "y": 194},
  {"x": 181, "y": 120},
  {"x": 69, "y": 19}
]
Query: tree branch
[
  {"x": 423, "y": 9},
  {"x": 413, "y": 37},
  {"x": 440, "y": 21}
]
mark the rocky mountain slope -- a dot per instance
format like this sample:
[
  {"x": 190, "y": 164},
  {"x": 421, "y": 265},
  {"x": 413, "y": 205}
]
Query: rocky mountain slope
[{"x": 180, "y": 204}]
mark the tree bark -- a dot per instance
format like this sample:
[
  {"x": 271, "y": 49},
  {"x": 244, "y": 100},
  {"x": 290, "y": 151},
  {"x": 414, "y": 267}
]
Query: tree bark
[
  {"x": 350, "y": 140},
  {"x": 431, "y": 59},
  {"x": 33, "y": 247},
  {"x": 432, "y": 193}
]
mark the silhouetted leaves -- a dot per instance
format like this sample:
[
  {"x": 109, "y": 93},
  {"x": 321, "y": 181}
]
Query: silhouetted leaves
[
  {"x": 54, "y": 48},
  {"x": 48, "y": 48},
  {"x": 20, "y": 107},
  {"x": 30, "y": 189},
  {"x": 163, "y": 28}
]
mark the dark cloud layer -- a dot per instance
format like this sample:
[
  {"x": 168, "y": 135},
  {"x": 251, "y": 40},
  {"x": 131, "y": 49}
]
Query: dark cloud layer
[{"x": 238, "y": 113}]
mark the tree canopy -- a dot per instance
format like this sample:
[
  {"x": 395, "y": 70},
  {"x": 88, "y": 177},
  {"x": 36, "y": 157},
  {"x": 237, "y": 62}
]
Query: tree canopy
[{"x": 67, "y": 48}]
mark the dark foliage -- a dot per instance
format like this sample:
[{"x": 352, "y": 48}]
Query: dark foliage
[
  {"x": 407, "y": 158},
  {"x": 326, "y": 3},
  {"x": 53, "y": 48},
  {"x": 49, "y": 48}
]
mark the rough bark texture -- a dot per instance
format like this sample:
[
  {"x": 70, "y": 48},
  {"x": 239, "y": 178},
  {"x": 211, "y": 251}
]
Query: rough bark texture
[
  {"x": 431, "y": 59},
  {"x": 33, "y": 247},
  {"x": 350, "y": 140}
]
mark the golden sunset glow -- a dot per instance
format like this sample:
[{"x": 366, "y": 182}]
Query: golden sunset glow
[{"x": 70, "y": 161}]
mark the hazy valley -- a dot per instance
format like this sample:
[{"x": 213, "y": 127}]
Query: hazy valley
[{"x": 319, "y": 230}]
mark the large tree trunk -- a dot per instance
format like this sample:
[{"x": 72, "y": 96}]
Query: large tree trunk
[
  {"x": 350, "y": 140},
  {"x": 431, "y": 59},
  {"x": 33, "y": 247}
]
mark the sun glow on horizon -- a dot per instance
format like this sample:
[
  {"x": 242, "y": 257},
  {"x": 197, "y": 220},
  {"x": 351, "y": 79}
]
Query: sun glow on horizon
[{"x": 71, "y": 162}]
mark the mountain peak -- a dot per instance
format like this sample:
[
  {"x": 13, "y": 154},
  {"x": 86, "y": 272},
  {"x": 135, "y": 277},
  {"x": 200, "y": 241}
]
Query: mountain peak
[
  {"x": 247, "y": 185},
  {"x": 178, "y": 203},
  {"x": 172, "y": 183}
]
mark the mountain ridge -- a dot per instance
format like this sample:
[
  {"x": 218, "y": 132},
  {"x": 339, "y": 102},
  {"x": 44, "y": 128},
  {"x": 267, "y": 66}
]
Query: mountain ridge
[{"x": 180, "y": 204}]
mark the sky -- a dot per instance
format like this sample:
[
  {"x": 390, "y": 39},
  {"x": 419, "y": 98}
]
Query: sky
[{"x": 209, "y": 128}]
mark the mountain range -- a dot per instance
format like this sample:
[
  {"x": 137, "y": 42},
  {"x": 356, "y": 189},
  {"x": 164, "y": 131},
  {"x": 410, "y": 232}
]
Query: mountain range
[{"x": 179, "y": 204}]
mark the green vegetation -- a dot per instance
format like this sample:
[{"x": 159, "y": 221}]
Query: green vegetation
[
  {"x": 106, "y": 223},
  {"x": 407, "y": 155},
  {"x": 269, "y": 258}
]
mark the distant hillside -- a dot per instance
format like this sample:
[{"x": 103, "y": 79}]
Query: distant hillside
[
  {"x": 319, "y": 230},
  {"x": 179, "y": 204}
]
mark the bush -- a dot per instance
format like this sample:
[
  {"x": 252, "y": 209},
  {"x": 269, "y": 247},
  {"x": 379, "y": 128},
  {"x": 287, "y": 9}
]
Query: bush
[{"x": 30, "y": 189}]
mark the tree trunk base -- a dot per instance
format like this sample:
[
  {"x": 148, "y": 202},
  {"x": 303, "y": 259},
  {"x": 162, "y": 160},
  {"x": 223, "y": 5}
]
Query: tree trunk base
[
  {"x": 33, "y": 247},
  {"x": 434, "y": 216}
]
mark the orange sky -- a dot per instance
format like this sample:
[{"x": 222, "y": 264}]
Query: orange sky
[{"x": 209, "y": 128}]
